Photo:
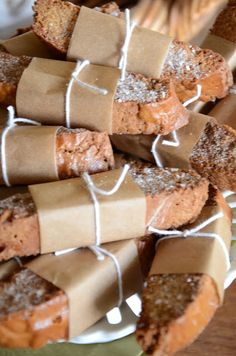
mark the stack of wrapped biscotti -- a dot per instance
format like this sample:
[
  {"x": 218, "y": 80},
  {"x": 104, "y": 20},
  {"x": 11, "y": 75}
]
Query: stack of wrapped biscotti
[{"x": 112, "y": 187}]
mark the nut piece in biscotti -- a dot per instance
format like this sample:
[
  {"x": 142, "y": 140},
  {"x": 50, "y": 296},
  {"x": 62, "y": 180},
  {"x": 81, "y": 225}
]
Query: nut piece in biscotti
[
  {"x": 177, "y": 307},
  {"x": 11, "y": 69},
  {"x": 214, "y": 156},
  {"x": 188, "y": 65},
  {"x": 34, "y": 312},
  {"x": 141, "y": 105},
  {"x": 225, "y": 23},
  {"x": 54, "y": 21},
  {"x": 173, "y": 197}
]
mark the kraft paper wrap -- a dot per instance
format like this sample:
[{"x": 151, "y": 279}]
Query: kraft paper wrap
[
  {"x": 31, "y": 154},
  {"x": 225, "y": 111},
  {"x": 176, "y": 157},
  {"x": 42, "y": 90},
  {"x": 222, "y": 46},
  {"x": 99, "y": 38},
  {"x": 66, "y": 212},
  {"x": 197, "y": 254},
  {"x": 91, "y": 285},
  {"x": 27, "y": 44}
]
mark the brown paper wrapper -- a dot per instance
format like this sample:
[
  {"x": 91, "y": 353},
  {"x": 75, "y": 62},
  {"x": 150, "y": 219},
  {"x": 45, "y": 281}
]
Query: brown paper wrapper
[
  {"x": 31, "y": 155},
  {"x": 197, "y": 254},
  {"x": 7, "y": 268},
  {"x": 27, "y": 44},
  {"x": 225, "y": 111},
  {"x": 46, "y": 101},
  {"x": 99, "y": 38},
  {"x": 66, "y": 212},
  {"x": 176, "y": 157},
  {"x": 222, "y": 46},
  {"x": 91, "y": 285},
  {"x": 6, "y": 192}
]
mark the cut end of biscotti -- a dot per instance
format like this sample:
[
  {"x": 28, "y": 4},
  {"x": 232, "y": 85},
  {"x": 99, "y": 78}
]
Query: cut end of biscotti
[
  {"x": 175, "y": 309},
  {"x": 19, "y": 229},
  {"x": 54, "y": 21},
  {"x": 214, "y": 156},
  {"x": 33, "y": 311},
  {"x": 226, "y": 23},
  {"x": 11, "y": 70},
  {"x": 81, "y": 150}
]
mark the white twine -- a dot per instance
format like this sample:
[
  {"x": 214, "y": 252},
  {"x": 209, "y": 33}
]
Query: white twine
[
  {"x": 195, "y": 232},
  {"x": 11, "y": 122},
  {"x": 175, "y": 140},
  {"x": 18, "y": 261},
  {"x": 124, "y": 50},
  {"x": 93, "y": 190},
  {"x": 195, "y": 97},
  {"x": 100, "y": 254},
  {"x": 74, "y": 78},
  {"x": 227, "y": 193}
]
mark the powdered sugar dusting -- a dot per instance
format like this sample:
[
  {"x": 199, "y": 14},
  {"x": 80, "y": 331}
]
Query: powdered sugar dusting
[
  {"x": 153, "y": 180},
  {"x": 140, "y": 89},
  {"x": 23, "y": 292},
  {"x": 18, "y": 205}
]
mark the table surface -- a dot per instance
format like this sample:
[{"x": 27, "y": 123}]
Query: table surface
[{"x": 219, "y": 338}]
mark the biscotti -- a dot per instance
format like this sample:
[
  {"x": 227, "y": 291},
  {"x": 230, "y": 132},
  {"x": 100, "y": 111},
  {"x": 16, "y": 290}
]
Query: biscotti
[
  {"x": 186, "y": 64},
  {"x": 214, "y": 156},
  {"x": 173, "y": 198},
  {"x": 176, "y": 307},
  {"x": 55, "y": 153},
  {"x": 41, "y": 310},
  {"x": 141, "y": 105},
  {"x": 212, "y": 150}
]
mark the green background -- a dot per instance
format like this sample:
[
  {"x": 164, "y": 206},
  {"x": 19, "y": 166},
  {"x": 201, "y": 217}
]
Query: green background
[{"x": 123, "y": 347}]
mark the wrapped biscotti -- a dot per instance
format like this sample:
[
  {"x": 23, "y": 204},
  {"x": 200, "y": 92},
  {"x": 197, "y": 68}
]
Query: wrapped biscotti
[
  {"x": 203, "y": 144},
  {"x": 185, "y": 285},
  {"x": 98, "y": 35},
  {"x": 72, "y": 213},
  {"x": 53, "y": 92},
  {"x": 57, "y": 297},
  {"x": 37, "y": 154}
]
